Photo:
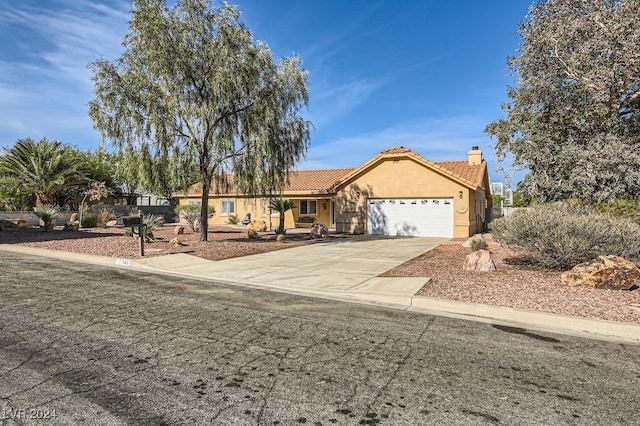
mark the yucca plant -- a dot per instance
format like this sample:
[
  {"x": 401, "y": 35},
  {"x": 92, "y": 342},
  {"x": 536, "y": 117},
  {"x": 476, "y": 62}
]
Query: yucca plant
[
  {"x": 281, "y": 205},
  {"x": 47, "y": 213}
]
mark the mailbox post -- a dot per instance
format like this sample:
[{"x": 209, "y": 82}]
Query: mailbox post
[{"x": 135, "y": 222}]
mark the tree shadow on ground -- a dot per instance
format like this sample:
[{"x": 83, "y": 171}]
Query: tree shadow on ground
[{"x": 35, "y": 235}]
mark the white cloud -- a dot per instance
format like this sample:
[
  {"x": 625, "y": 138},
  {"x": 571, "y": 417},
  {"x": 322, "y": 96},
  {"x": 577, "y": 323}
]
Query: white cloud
[
  {"x": 46, "y": 78},
  {"x": 330, "y": 103}
]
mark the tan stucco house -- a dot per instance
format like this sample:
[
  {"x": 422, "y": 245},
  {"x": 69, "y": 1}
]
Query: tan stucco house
[{"x": 397, "y": 192}]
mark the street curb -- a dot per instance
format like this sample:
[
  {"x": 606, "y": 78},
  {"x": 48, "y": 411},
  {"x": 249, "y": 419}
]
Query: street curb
[
  {"x": 560, "y": 324},
  {"x": 539, "y": 321}
]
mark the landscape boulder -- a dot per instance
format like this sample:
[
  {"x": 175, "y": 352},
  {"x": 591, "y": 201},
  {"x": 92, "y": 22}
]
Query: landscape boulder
[
  {"x": 74, "y": 217},
  {"x": 7, "y": 224},
  {"x": 479, "y": 260},
  {"x": 280, "y": 238},
  {"x": 175, "y": 242},
  {"x": 607, "y": 272},
  {"x": 178, "y": 230},
  {"x": 252, "y": 234},
  {"x": 257, "y": 226},
  {"x": 71, "y": 226}
]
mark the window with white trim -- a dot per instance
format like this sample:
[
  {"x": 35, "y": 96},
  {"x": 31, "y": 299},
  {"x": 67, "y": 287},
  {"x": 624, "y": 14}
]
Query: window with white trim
[
  {"x": 228, "y": 207},
  {"x": 308, "y": 207}
]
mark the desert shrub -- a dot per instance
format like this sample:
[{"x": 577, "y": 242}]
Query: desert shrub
[
  {"x": 191, "y": 214},
  {"x": 619, "y": 208},
  {"x": 233, "y": 219},
  {"x": 555, "y": 236},
  {"x": 89, "y": 220},
  {"x": 47, "y": 213},
  {"x": 479, "y": 243},
  {"x": 105, "y": 215},
  {"x": 152, "y": 222}
]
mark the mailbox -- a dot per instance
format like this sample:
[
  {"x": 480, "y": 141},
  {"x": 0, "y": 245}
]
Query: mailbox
[{"x": 131, "y": 221}]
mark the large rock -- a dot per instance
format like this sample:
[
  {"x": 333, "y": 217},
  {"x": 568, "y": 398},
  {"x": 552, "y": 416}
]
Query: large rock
[
  {"x": 257, "y": 226},
  {"x": 73, "y": 226},
  {"x": 7, "y": 224},
  {"x": 178, "y": 230},
  {"x": 252, "y": 234},
  {"x": 175, "y": 242},
  {"x": 610, "y": 272},
  {"x": 479, "y": 260}
]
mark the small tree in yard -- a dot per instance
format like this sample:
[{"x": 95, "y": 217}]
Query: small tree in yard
[
  {"x": 281, "y": 205},
  {"x": 194, "y": 91}
]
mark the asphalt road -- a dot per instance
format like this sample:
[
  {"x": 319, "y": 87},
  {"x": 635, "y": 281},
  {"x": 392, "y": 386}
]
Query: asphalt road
[{"x": 81, "y": 344}]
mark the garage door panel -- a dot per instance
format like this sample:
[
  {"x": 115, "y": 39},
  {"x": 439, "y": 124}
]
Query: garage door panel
[{"x": 411, "y": 217}]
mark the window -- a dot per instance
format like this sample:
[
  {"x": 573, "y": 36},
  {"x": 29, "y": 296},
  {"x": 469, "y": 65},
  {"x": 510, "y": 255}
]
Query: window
[
  {"x": 308, "y": 207},
  {"x": 266, "y": 209},
  {"x": 194, "y": 202},
  {"x": 228, "y": 207}
]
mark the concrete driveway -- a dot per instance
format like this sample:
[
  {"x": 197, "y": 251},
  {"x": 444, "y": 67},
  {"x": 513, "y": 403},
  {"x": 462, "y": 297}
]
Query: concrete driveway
[{"x": 343, "y": 267}]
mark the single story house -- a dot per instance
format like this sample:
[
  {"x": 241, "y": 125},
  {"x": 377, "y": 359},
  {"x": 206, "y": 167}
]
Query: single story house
[{"x": 397, "y": 192}]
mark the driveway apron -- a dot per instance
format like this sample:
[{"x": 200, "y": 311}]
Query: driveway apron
[{"x": 334, "y": 266}]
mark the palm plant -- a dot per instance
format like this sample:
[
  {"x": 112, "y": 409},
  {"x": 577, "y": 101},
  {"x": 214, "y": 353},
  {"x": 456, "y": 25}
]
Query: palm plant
[
  {"x": 41, "y": 168},
  {"x": 281, "y": 205}
]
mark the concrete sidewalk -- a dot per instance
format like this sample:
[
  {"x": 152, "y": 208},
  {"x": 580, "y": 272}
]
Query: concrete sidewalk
[{"x": 348, "y": 271}]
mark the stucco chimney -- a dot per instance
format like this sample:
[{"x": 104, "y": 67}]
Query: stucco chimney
[{"x": 475, "y": 156}]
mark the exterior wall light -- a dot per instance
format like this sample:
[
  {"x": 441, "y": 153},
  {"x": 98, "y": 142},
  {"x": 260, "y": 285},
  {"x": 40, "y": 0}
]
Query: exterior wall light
[{"x": 460, "y": 194}]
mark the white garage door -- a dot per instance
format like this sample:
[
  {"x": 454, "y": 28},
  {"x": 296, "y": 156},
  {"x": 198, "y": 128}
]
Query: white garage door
[{"x": 424, "y": 217}]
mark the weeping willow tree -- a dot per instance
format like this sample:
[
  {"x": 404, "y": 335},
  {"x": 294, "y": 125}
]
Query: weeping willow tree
[{"x": 193, "y": 91}]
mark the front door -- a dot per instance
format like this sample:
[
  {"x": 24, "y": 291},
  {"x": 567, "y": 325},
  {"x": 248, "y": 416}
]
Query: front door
[{"x": 332, "y": 213}]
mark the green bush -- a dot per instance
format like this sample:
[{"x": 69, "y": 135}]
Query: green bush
[
  {"x": 479, "y": 243},
  {"x": 191, "y": 214},
  {"x": 559, "y": 236},
  {"x": 233, "y": 219},
  {"x": 619, "y": 208},
  {"x": 89, "y": 220}
]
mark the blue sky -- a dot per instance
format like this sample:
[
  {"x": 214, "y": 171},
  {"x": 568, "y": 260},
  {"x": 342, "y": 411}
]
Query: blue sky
[{"x": 425, "y": 74}]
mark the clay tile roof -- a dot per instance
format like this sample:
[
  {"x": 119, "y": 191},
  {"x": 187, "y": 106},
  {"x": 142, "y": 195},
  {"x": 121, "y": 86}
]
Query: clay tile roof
[
  {"x": 301, "y": 180},
  {"x": 396, "y": 150},
  {"x": 315, "y": 180},
  {"x": 326, "y": 180},
  {"x": 471, "y": 175}
]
